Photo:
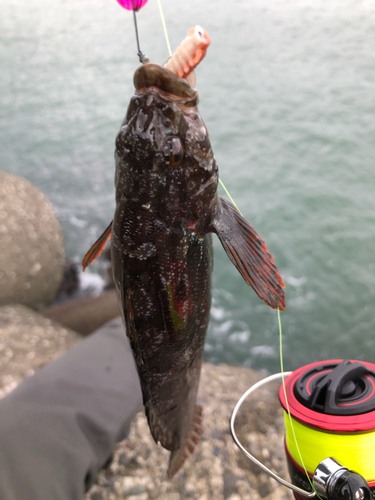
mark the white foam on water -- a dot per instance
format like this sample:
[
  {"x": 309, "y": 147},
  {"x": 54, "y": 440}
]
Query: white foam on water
[
  {"x": 265, "y": 351},
  {"x": 224, "y": 328},
  {"x": 240, "y": 337},
  {"x": 75, "y": 221},
  {"x": 217, "y": 313},
  {"x": 90, "y": 283},
  {"x": 294, "y": 281}
]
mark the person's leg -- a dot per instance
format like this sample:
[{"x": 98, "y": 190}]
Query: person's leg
[{"x": 59, "y": 427}]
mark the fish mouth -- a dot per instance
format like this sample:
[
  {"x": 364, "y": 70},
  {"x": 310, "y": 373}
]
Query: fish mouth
[{"x": 168, "y": 84}]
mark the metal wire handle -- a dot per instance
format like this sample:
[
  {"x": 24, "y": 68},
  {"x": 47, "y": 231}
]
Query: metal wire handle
[{"x": 280, "y": 480}]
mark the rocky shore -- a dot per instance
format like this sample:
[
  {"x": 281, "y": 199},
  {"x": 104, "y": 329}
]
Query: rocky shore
[
  {"x": 137, "y": 470},
  {"x": 217, "y": 468},
  {"x": 32, "y": 335}
]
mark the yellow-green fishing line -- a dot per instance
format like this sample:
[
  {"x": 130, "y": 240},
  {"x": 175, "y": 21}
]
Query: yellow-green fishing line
[
  {"x": 165, "y": 28},
  {"x": 170, "y": 53},
  {"x": 287, "y": 404},
  {"x": 231, "y": 199},
  {"x": 278, "y": 310}
]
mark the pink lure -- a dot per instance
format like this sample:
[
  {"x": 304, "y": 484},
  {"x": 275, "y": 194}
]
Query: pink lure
[{"x": 132, "y": 4}]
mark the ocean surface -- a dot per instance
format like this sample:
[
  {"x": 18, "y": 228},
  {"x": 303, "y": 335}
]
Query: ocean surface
[{"x": 287, "y": 94}]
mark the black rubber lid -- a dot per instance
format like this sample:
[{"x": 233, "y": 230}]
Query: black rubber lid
[{"x": 346, "y": 388}]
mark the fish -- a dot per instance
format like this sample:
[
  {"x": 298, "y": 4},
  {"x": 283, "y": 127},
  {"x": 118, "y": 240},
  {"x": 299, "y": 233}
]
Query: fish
[{"x": 167, "y": 209}]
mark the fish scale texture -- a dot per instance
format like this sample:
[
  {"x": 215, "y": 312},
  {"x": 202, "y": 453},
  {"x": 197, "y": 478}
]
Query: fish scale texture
[{"x": 217, "y": 469}]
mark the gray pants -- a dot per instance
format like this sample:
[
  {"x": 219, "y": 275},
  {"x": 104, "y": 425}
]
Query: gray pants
[{"x": 59, "y": 427}]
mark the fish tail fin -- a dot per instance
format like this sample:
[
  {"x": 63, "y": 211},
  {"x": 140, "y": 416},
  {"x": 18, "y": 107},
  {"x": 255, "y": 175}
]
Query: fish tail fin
[
  {"x": 97, "y": 247},
  {"x": 188, "y": 443}
]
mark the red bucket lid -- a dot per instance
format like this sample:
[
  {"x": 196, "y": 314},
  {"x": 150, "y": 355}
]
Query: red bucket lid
[{"x": 335, "y": 395}]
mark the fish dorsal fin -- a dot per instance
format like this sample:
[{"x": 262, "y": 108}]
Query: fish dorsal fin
[
  {"x": 188, "y": 443},
  {"x": 97, "y": 247},
  {"x": 249, "y": 254}
]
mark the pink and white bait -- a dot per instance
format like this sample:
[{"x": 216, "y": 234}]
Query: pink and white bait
[{"x": 189, "y": 54}]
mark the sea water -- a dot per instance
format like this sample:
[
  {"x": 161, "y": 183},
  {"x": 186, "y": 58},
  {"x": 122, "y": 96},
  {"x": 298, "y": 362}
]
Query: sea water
[{"x": 287, "y": 94}]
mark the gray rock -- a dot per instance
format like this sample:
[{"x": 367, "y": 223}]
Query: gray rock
[
  {"x": 230, "y": 484},
  {"x": 134, "y": 491},
  {"x": 85, "y": 315},
  {"x": 217, "y": 469},
  {"x": 96, "y": 495},
  {"x": 28, "y": 341},
  {"x": 32, "y": 247}
]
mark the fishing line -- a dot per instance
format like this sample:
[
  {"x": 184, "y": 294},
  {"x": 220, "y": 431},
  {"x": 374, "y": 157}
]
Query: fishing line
[
  {"x": 170, "y": 54},
  {"x": 165, "y": 28},
  {"x": 297, "y": 448},
  {"x": 231, "y": 199},
  {"x": 278, "y": 310}
]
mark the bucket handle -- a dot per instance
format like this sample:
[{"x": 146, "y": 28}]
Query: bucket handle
[{"x": 280, "y": 480}]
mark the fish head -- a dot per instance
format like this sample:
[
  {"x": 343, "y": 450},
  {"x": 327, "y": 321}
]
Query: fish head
[{"x": 163, "y": 152}]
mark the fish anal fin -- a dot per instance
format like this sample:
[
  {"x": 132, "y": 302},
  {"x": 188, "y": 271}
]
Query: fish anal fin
[
  {"x": 159, "y": 430},
  {"x": 249, "y": 253},
  {"x": 97, "y": 247},
  {"x": 188, "y": 443}
]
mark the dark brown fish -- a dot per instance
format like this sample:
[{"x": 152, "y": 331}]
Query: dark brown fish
[{"x": 166, "y": 209}]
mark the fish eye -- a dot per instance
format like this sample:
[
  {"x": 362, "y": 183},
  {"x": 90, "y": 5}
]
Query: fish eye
[{"x": 173, "y": 151}]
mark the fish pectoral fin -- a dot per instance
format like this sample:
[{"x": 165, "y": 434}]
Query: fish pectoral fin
[
  {"x": 97, "y": 247},
  {"x": 187, "y": 444},
  {"x": 249, "y": 254}
]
